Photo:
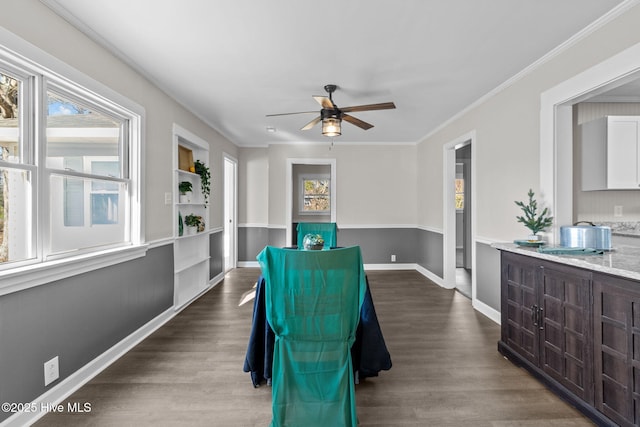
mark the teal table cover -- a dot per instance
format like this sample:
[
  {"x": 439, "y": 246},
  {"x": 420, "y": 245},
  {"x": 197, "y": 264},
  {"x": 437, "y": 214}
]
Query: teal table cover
[
  {"x": 313, "y": 301},
  {"x": 328, "y": 231}
]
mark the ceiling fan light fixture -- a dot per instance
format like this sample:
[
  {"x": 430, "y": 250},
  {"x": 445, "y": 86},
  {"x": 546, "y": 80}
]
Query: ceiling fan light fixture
[{"x": 331, "y": 126}]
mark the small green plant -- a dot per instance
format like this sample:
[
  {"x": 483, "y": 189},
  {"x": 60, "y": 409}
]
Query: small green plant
[
  {"x": 205, "y": 179},
  {"x": 192, "y": 220},
  {"x": 185, "y": 187},
  {"x": 531, "y": 219}
]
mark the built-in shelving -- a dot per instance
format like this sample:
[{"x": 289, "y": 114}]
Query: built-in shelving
[{"x": 191, "y": 247}]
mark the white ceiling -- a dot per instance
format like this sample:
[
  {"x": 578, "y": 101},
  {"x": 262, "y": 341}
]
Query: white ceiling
[{"x": 234, "y": 62}]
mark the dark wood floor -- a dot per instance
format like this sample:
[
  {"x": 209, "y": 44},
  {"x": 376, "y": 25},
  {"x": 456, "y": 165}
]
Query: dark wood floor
[{"x": 446, "y": 368}]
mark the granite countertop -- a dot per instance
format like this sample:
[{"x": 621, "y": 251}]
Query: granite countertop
[
  {"x": 623, "y": 260},
  {"x": 628, "y": 229},
  {"x": 627, "y": 232}
]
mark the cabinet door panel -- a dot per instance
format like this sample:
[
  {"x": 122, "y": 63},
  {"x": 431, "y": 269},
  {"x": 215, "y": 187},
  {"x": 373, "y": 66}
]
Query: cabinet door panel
[
  {"x": 518, "y": 306},
  {"x": 567, "y": 336},
  {"x": 622, "y": 154},
  {"x": 616, "y": 314}
]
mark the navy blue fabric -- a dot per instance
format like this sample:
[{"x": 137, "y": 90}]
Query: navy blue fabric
[
  {"x": 259, "y": 356},
  {"x": 369, "y": 352}
]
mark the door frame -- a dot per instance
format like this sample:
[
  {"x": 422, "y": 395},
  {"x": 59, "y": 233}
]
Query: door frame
[
  {"x": 556, "y": 129},
  {"x": 289, "y": 191},
  {"x": 449, "y": 211},
  {"x": 230, "y": 214}
]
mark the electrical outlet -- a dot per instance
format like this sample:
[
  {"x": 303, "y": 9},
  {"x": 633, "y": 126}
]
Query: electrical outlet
[
  {"x": 617, "y": 211},
  {"x": 168, "y": 198},
  {"x": 393, "y": 258},
  {"x": 51, "y": 371}
]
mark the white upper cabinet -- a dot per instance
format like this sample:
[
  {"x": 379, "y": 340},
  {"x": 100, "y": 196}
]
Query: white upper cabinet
[{"x": 611, "y": 153}]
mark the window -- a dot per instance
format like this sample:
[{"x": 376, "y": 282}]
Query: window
[
  {"x": 316, "y": 195},
  {"x": 459, "y": 193},
  {"x": 84, "y": 146},
  {"x": 16, "y": 169},
  {"x": 68, "y": 166}
]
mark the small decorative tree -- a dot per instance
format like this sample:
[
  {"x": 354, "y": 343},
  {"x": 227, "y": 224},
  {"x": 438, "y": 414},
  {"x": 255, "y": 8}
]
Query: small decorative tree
[{"x": 532, "y": 220}]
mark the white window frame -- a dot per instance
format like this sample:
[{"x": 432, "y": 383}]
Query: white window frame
[
  {"x": 307, "y": 177},
  {"x": 28, "y": 59}
]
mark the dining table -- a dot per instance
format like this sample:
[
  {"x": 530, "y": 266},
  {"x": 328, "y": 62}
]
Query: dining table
[{"x": 369, "y": 353}]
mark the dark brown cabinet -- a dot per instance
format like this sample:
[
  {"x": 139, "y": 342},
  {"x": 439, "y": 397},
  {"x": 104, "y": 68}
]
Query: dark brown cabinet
[
  {"x": 546, "y": 321},
  {"x": 616, "y": 314},
  {"x": 566, "y": 328},
  {"x": 576, "y": 330},
  {"x": 519, "y": 305}
]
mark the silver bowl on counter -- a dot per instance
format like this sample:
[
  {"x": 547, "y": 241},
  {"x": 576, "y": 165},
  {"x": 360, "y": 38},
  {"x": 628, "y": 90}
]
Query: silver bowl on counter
[{"x": 588, "y": 235}]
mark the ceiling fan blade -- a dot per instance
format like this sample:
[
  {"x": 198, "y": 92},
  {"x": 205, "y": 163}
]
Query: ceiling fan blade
[
  {"x": 325, "y": 102},
  {"x": 370, "y": 107},
  {"x": 288, "y": 114},
  {"x": 311, "y": 124},
  {"x": 357, "y": 122}
]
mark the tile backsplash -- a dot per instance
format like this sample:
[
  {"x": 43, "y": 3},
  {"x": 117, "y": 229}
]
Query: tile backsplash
[{"x": 623, "y": 228}]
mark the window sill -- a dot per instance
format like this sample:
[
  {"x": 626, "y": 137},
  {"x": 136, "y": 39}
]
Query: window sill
[{"x": 29, "y": 276}]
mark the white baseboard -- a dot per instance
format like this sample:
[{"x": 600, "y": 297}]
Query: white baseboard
[
  {"x": 490, "y": 312},
  {"x": 481, "y": 307},
  {"x": 216, "y": 280},
  {"x": 73, "y": 382},
  {"x": 392, "y": 266},
  {"x": 431, "y": 276},
  {"x": 478, "y": 305},
  {"x": 248, "y": 264}
]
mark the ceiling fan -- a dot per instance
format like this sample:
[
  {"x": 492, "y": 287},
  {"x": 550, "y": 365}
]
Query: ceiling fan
[{"x": 332, "y": 116}]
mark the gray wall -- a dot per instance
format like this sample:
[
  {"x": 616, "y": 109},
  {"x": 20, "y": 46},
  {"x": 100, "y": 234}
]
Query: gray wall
[
  {"x": 77, "y": 319},
  {"x": 378, "y": 244},
  {"x": 488, "y": 275},
  {"x": 251, "y": 240},
  {"x": 409, "y": 245},
  {"x": 216, "y": 253},
  {"x": 431, "y": 251}
]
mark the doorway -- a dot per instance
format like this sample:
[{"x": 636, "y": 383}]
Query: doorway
[
  {"x": 230, "y": 212},
  {"x": 291, "y": 198},
  {"x": 459, "y": 215},
  {"x": 462, "y": 197}
]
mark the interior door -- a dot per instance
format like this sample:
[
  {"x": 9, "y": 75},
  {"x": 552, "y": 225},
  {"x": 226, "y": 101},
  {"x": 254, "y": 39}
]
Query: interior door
[{"x": 230, "y": 212}]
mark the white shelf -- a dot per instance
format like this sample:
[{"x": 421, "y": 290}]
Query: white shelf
[
  {"x": 190, "y": 236},
  {"x": 191, "y": 251},
  {"x": 190, "y": 265}
]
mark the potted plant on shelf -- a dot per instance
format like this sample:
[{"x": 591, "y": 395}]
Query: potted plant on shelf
[
  {"x": 531, "y": 219},
  {"x": 194, "y": 223},
  {"x": 205, "y": 179},
  {"x": 185, "y": 187}
]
